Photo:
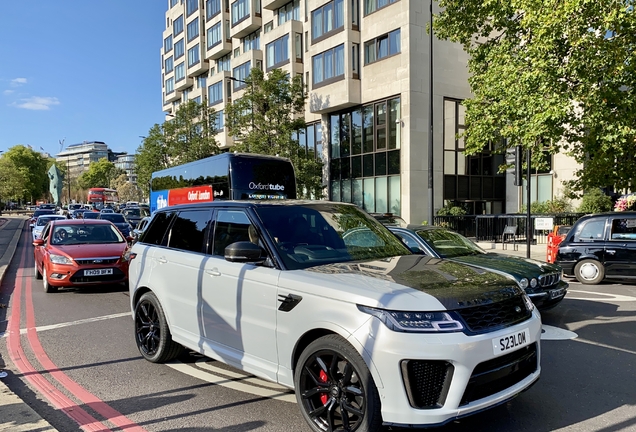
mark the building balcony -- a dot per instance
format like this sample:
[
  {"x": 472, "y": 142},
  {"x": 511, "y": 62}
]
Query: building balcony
[
  {"x": 274, "y": 4},
  {"x": 248, "y": 24},
  {"x": 184, "y": 83},
  {"x": 332, "y": 96},
  {"x": 219, "y": 50},
  {"x": 198, "y": 68},
  {"x": 171, "y": 97}
]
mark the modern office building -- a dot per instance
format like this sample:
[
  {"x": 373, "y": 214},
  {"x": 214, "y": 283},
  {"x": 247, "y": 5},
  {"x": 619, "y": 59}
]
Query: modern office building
[
  {"x": 366, "y": 65},
  {"x": 126, "y": 162},
  {"x": 78, "y": 156}
]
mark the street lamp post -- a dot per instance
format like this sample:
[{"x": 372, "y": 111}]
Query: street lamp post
[
  {"x": 431, "y": 212},
  {"x": 245, "y": 82}
]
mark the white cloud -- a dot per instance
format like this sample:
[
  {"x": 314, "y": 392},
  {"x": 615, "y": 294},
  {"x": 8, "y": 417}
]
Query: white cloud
[
  {"x": 37, "y": 103},
  {"x": 8, "y": 92},
  {"x": 16, "y": 82}
]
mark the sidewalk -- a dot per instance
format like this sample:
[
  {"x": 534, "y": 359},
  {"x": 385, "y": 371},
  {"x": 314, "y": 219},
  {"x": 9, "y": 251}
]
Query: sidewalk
[
  {"x": 537, "y": 252},
  {"x": 15, "y": 414}
]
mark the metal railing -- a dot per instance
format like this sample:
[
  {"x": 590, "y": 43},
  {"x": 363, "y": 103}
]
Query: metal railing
[{"x": 491, "y": 227}]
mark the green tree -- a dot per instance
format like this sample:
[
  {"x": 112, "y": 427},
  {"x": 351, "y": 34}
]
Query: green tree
[
  {"x": 267, "y": 120},
  {"x": 99, "y": 174},
  {"x": 187, "y": 137},
  {"x": 557, "y": 75},
  {"x": 12, "y": 180},
  {"x": 33, "y": 168},
  {"x": 595, "y": 201}
]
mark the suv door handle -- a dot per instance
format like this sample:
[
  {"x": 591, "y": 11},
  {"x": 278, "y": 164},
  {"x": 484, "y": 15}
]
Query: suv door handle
[
  {"x": 610, "y": 251},
  {"x": 162, "y": 260},
  {"x": 213, "y": 272}
]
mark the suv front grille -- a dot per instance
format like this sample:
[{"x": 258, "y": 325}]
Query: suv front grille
[
  {"x": 426, "y": 382},
  {"x": 549, "y": 279},
  {"x": 500, "y": 373},
  {"x": 494, "y": 316}
]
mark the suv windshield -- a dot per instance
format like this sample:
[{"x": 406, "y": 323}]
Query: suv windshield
[
  {"x": 136, "y": 212},
  {"x": 318, "y": 234},
  {"x": 113, "y": 217},
  {"x": 449, "y": 244}
]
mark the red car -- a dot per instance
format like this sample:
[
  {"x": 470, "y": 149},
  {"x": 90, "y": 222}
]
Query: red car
[{"x": 80, "y": 252}]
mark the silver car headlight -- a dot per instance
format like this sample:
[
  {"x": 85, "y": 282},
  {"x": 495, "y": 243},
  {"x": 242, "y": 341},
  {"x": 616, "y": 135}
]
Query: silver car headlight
[
  {"x": 60, "y": 259},
  {"x": 523, "y": 283},
  {"x": 416, "y": 322}
]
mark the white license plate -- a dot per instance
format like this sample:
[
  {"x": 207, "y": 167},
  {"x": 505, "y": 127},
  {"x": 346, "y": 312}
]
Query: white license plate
[
  {"x": 511, "y": 341},
  {"x": 557, "y": 293},
  {"x": 98, "y": 272}
]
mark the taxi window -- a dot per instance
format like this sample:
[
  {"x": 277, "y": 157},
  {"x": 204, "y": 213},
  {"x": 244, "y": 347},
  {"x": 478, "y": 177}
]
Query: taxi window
[
  {"x": 590, "y": 231},
  {"x": 623, "y": 229}
]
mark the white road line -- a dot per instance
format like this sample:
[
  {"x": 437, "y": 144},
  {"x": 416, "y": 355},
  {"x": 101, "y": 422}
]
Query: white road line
[
  {"x": 72, "y": 323},
  {"x": 602, "y": 345},
  {"x": 604, "y": 297},
  {"x": 555, "y": 333},
  {"x": 231, "y": 383}
]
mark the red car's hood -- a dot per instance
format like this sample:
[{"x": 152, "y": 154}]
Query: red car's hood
[{"x": 92, "y": 250}]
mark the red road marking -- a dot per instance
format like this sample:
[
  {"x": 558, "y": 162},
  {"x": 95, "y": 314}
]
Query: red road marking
[
  {"x": 37, "y": 380},
  {"x": 83, "y": 418}
]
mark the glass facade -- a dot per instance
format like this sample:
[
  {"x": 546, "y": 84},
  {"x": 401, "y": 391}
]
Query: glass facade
[{"x": 364, "y": 156}]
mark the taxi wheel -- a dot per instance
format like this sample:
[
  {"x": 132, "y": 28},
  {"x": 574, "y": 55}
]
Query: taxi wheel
[
  {"x": 335, "y": 389},
  {"x": 45, "y": 282},
  {"x": 152, "y": 334},
  {"x": 37, "y": 273},
  {"x": 589, "y": 272}
]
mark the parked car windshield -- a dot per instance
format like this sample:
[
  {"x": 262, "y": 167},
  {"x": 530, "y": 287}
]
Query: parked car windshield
[
  {"x": 85, "y": 234},
  {"x": 43, "y": 220},
  {"x": 449, "y": 244},
  {"x": 318, "y": 234},
  {"x": 136, "y": 212},
  {"x": 113, "y": 217}
]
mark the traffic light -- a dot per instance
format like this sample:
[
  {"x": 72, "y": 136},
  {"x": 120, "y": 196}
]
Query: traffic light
[{"x": 518, "y": 166}]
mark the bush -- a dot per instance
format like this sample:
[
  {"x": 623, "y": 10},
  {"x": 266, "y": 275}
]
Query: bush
[
  {"x": 451, "y": 210},
  {"x": 557, "y": 205},
  {"x": 595, "y": 201}
]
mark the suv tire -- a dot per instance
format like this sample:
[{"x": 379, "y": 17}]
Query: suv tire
[{"x": 152, "y": 334}]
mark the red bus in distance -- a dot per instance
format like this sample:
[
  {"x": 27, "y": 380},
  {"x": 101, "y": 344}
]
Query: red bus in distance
[{"x": 102, "y": 197}]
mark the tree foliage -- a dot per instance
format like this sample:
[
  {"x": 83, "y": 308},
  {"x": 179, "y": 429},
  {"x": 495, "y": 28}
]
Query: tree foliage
[
  {"x": 555, "y": 74},
  {"x": 32, "y": 166},
  {"x": 187, "y": 137},
  {"x": 12, "y": 180},
  {"x": 267, "y": 120},
  {"x": 595, "y": 201},
  {"x": 100, "y": 174}
]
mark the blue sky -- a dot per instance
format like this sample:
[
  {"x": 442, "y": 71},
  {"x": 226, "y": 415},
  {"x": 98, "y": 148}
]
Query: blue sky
[{"x": 80, "y": 70}]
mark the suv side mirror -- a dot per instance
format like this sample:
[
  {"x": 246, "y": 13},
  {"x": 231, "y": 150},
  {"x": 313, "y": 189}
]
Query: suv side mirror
[{"x": 244, "y": 252}]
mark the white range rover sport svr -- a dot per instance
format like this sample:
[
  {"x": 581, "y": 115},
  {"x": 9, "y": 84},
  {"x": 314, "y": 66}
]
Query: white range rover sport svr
[{"x": 321, "y": 298}]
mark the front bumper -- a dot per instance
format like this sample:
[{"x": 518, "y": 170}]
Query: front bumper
[
  {"x": 548, "y": 297},
  {"x": 60, "y": 275},
  {"x": 469, "y": 359}
]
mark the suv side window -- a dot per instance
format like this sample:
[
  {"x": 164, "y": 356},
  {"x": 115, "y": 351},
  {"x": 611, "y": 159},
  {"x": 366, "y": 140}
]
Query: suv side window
[
  {"x": 593, "y": 229},
  {"x": 231, "y": 226},
  {"x": 188, "y": 231},
  {"x": 623, "y": 229},
  {"x": 156, "y": 232}
]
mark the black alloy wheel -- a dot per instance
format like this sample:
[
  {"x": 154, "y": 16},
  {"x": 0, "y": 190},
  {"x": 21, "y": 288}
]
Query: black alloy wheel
[
  {"x": 334, "y": 388},
  {"x": 151, "y": 331}
]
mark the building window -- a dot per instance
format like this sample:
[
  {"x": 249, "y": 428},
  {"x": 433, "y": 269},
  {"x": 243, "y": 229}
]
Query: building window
[
  {"x": 169, "y": 85},
  {"x": 268, "y": 27},
  {"x": 179, "y": 72},
  {"x": 215, "y": 93},
  {"x": 298, "y": 47},
  {"x": 240, "y": 73},
  {"x": 168, "y": 65},
  {"x": 382, "y": 46},
  {"x": 329, "y": 65},
  {"x": 327, "y": 19},
  {"x": 355, "y": 60},
  {"x": 364, "y": 168},
  {"x": 371, "y": 6},
  {"x": 291, "y": 11},
  {"x": 193, "y": 55},
  {"x": 173, "y": 3},
  {"x": 167, "y": 44},
  {"x": 355, "y": 13},
  {"x": 214, "y": 35},
  {"x": 178, "y": 49},
  {"x": 201, "y": 80},
  {"x": 223, "y": 64},
  {"x": 252, "y": 41},
  {"x": 212, "y": 9},
  {"x": 219, "y": 121},
  {"x": 240, "y": 11},
  {"x": 191, "y": 6},
  {"x": 277, "y": 52},
  {"x": 177, "y": 26},
  {"x": 193, "y": 29}
]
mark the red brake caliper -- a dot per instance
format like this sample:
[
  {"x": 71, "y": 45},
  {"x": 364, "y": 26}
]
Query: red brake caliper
[{"x": 323, "y": 378}]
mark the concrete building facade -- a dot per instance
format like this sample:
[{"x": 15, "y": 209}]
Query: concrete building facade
[
  {"x": 366, "y": 65},
  {"x": 77, "y": 157}
]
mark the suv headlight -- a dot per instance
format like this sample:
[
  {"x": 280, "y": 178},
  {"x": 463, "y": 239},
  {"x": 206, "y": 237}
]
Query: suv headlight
[
  {"x": 60, "y": 259},
  {"x": 416, "y": 322},
  {"x": 528, "y": 302}
]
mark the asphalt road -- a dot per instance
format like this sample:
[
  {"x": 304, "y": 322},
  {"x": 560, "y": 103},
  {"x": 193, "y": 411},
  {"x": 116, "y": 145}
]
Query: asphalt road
[{"x": 79, "y": 366}]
